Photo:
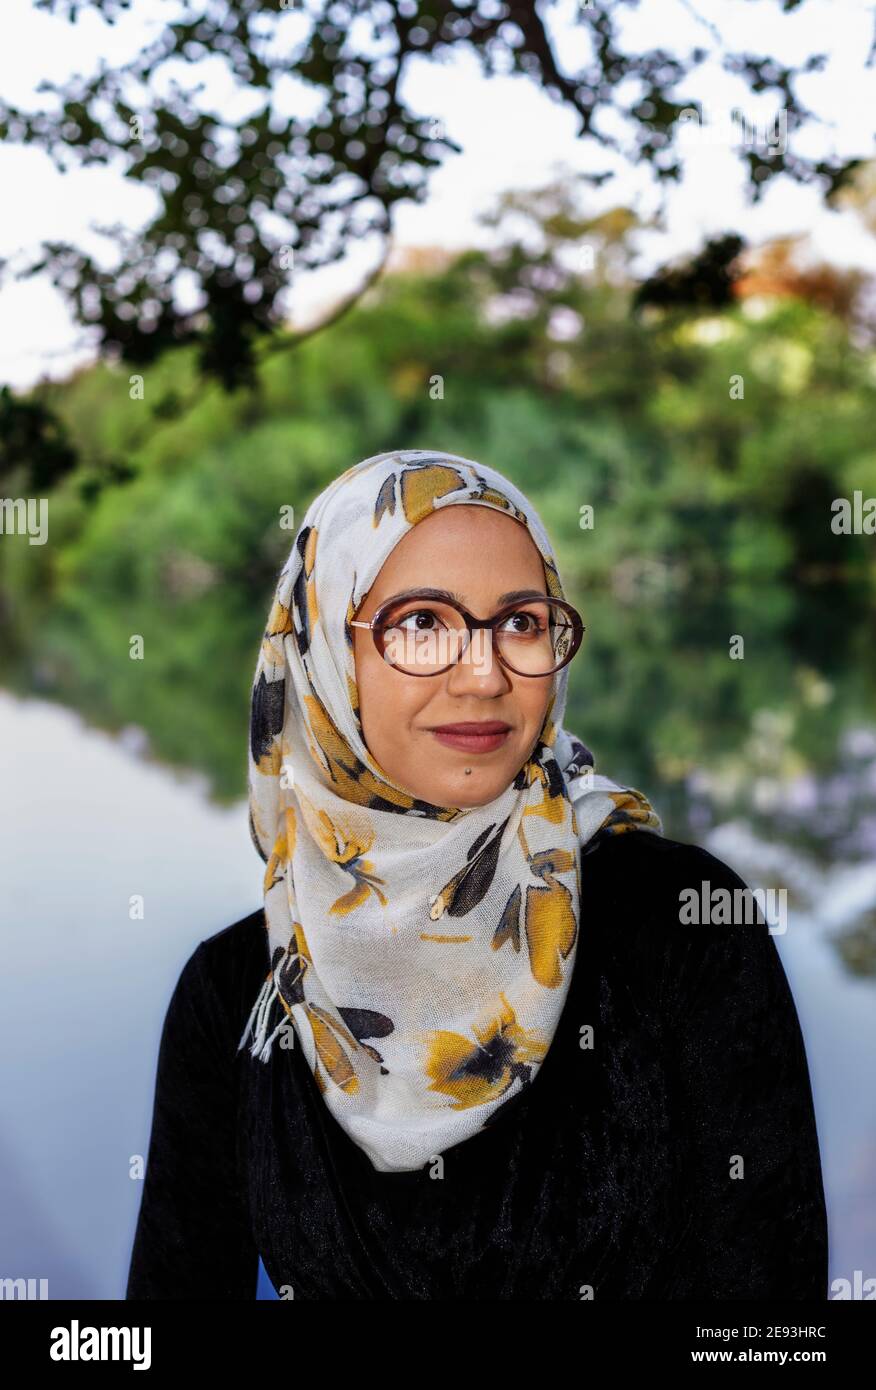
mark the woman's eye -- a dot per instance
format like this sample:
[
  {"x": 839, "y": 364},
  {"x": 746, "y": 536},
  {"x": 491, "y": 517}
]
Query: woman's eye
[
  {"x": 529, "y": 624},
  {"x": 417, "y": 613}
]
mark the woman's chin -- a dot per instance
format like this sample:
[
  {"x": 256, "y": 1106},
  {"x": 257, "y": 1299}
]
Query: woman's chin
[{"x": 467, "y": 792}]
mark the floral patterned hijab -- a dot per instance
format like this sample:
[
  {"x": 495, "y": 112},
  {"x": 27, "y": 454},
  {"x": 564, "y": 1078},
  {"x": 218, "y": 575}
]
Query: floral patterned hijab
[{"x": 420, "y": 955}]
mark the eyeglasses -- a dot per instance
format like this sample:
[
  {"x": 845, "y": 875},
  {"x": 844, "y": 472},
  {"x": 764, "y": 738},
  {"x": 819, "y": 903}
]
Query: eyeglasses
[{"x": 426, "y": 633}]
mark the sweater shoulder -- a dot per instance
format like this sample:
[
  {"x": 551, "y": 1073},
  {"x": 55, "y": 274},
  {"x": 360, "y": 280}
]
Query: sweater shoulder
[
  {"x": 224, "y": 974},
  {"x": 634, "y": 890},
  {"x": 238, "y": 947},
  {"x": 642, "y": 863},
  {"x": 642, "y": 901}
]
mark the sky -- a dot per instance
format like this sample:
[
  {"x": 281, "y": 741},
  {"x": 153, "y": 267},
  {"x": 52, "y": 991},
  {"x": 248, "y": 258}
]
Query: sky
[{"x": 514, "y": 136}]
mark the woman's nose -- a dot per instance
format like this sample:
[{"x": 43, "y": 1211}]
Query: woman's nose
[{"x": 478, "y": 668}]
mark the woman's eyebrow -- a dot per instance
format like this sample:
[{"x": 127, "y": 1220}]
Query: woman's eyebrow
[{"x": 511, "y": 597}]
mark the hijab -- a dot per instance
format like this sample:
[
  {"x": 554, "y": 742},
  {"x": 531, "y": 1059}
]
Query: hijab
[{"x": 420, "y": 955}]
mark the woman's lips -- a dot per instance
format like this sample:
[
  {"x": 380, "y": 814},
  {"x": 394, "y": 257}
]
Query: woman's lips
[{"x": 469, "y": 741}]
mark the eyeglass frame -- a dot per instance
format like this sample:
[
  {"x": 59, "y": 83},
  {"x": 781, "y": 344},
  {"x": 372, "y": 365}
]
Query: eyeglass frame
[{"x": 472, "y": 624}]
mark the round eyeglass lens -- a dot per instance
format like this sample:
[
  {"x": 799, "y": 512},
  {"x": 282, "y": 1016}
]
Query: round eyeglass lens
[{"x": 424, "y": 636}]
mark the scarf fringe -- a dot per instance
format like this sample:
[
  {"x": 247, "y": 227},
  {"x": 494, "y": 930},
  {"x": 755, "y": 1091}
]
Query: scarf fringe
[{"x": 258, "y": 1021}]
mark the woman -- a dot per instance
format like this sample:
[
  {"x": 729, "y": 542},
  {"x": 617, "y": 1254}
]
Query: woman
[{"x": 488, "y": 1056}]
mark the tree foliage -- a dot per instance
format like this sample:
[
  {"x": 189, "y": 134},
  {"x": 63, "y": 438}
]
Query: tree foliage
[
  {"x": 243, "y": 203},
  {"x": 35, "y": 448}
]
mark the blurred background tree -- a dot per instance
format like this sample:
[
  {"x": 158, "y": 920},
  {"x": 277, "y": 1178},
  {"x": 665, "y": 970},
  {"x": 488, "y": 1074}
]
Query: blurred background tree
[{"x": 242, "y": 204}]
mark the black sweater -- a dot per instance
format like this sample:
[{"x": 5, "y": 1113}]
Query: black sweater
[{"x": 614, "y": 1172}]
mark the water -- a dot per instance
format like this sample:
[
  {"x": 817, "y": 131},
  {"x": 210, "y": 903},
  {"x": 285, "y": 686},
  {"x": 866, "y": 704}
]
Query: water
[{"x": 87, "y": 825}]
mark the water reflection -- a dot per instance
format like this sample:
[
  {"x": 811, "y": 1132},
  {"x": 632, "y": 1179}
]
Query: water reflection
[{"x": 89, "y": 826}]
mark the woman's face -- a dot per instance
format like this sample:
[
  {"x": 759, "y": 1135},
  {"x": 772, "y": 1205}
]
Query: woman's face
[{"x": 479, "y": 554}]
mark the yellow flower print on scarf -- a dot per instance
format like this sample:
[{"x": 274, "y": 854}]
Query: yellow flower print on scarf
[
  {"x": 284, "y": 847},
  {"x": 549, "y": 921},
  {"x": 343, "y": 843},
  {"x": 473, "y": 1073},
  {"x": 633, "y": 811},
  {"x": 330, "y": 1032},
  {"x": 422, "y": 485}
]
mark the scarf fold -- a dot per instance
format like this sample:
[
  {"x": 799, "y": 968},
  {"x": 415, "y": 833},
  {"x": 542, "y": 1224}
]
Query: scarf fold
[{"x": 420, "y": 955}]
